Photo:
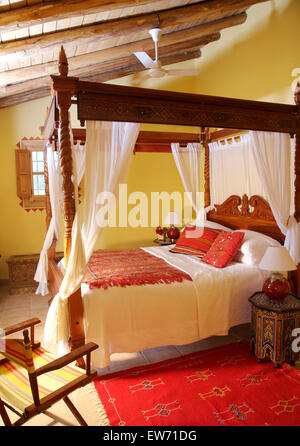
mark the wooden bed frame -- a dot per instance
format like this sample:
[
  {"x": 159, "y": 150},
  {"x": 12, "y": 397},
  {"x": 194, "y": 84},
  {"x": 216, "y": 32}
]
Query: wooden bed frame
[{"x": 97, "y": 101}]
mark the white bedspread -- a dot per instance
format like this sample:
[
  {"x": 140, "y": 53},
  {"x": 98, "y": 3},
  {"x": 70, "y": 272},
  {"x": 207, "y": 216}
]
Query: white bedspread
[{"x": 134, "y": 318}]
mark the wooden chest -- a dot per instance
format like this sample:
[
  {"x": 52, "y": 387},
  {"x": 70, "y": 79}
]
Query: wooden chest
[{"x": 21, "y": 270}]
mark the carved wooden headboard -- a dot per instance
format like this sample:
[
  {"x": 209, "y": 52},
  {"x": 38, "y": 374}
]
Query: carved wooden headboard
[{"x": 252, "y": 213}]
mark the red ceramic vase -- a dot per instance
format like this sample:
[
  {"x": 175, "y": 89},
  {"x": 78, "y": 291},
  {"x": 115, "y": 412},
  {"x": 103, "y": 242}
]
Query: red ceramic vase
[
  {"x": 276, "y": 289},
  {"x": 173, "y": 233}
]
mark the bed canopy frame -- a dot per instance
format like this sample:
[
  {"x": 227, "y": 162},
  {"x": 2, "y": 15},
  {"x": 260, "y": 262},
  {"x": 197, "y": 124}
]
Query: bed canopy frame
[{"x": 97, "y": 101}]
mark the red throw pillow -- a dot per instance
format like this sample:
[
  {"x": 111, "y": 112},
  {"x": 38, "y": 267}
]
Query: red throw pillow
[
  {"x": 195, "y": 240},
  {"x": 224, "y": 248}
]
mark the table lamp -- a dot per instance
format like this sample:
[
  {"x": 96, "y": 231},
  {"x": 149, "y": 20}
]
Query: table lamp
[
  {"x": 171, "y": 220},
  {"x": 277, "y": 259}
]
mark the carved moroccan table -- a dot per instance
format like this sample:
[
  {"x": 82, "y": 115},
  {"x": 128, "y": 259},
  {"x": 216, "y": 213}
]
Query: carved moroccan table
[{"x": 272, "y": 326}]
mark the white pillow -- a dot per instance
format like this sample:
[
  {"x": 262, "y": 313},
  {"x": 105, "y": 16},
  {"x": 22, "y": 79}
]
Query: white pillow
[
  {"x": 208, "y": 224},
  {"x": 253, "y": 247},
  {"x": 214, "y": 225}
]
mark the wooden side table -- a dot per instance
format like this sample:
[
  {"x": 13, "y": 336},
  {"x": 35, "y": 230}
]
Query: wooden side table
[
  {"x": 163, "y": 242},
  {"x": 272, "y": 326}
]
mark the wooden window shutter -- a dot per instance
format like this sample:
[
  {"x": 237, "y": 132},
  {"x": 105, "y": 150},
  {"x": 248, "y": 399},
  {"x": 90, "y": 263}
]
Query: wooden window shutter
[{"x": 23, "y": 170}]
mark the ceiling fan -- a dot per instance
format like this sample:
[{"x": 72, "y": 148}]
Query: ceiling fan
[{"x": 155, "y": 69}]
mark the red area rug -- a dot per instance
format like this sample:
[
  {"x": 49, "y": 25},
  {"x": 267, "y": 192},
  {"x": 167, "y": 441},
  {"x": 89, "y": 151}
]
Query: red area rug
[
  {"x": 125, "y": 267},
  {"x": 225, "y": 386}
]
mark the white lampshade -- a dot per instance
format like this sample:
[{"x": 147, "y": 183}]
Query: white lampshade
[
  {"x": 173, "y": 218},
  {"x": 277, "y": 259}
]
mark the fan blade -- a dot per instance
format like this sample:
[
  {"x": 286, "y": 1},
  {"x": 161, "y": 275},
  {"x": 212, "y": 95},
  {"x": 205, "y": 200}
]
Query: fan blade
[
  {"x": 141, "y": 79},
  {"x": 144, "y": 59},
  {"x": 183, "y": 72}
]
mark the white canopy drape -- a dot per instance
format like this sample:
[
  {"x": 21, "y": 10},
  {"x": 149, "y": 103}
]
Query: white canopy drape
[
  {"x": 109, "y": 147},
  {"x": 41, "y": 274},
  {"x": 79, "y": 154},
  {"x": 54, "y": 182},
  {"x": 187, "y": 160},
  {"x": 258, "y": 164},
  {"x": 272, "y": 155},
  {"x": 233, "y": 170},
  {"x": 109, "y": 151}
]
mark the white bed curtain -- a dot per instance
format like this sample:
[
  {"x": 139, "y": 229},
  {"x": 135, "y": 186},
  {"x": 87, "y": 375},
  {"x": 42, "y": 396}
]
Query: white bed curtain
[
  {"x": 272, "y": 155},
  {"x": 41, "y": 274},
  {"x": 79, "y": 155},
  {"x": 54, "y": 182},
  {"x": 233, "y": 170},
  {"x": 188, "y": 162},
  {"x": 109, "y": 147}
]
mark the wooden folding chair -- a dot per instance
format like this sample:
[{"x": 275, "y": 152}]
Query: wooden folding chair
[{"x": 32, "y": 380}]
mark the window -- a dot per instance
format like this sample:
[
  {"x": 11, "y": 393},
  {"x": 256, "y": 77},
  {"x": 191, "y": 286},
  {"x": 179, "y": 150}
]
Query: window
[
  {"x": 30, "y": 170},
  {"x": 38, "y": 174}
]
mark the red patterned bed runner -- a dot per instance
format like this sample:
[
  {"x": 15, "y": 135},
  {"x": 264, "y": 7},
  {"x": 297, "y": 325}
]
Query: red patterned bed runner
[{"x": 125, "y": 267}]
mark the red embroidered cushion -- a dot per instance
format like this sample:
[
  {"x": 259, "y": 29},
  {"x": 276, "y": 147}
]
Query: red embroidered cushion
[
  {"x": 195, "y": 240},
  {"x": 223, "y": 249}
]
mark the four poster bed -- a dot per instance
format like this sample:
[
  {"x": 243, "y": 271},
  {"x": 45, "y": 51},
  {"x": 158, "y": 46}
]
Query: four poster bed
[{"x": 104, "y": 102}]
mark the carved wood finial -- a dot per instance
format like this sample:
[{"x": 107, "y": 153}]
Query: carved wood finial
[
  {"x": 245, "y": 205},
  {"x": 63, "y": 66}
]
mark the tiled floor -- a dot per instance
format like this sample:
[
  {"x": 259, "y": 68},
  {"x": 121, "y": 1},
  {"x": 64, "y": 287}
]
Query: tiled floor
[{"x": 19, "y": 307}]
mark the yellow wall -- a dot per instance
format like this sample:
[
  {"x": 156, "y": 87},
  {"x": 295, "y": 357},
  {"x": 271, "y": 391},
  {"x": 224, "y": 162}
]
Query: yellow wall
[
  {"x": 20, "y": 231},
  {"x": 255, "y": 60},
  {"x": 148, "y": 172},
  {"x": 251, "y": 61}
]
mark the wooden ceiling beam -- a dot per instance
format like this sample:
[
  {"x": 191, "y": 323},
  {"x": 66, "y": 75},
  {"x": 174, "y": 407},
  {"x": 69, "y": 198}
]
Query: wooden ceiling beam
[
  {"x": 168, "y": 55},
  {"x": 36, "y": 71},
  {"x": 99, "y": 70},
  {"x": 41, "y": 12},
  {"x": 25, "y": 96},
  {"x": 118, "y": 27},
  {"x": 60, "y": 9},
  {"x": 38, "y": 88}
]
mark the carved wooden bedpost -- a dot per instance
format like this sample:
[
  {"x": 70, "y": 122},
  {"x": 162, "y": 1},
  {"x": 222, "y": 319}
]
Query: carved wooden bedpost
[
  {"x": 297, "y": 176},
  {"x": 51, "y": 250},
  {"x": 47, "y": 195},
  {"x": 65, "y": 87},
  {"x": 47, "y": 198},
  {"x": 205, "y": 140},
  {"x": 65, "y": 156}
]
